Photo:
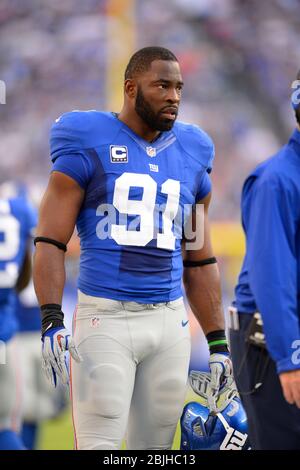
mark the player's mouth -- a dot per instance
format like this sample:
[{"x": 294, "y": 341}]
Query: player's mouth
[{"x": 169, "y": 113}]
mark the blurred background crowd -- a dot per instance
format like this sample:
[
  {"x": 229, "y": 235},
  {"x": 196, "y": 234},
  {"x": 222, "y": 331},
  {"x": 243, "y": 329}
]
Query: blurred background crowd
[{"x": 238, "y": 60}]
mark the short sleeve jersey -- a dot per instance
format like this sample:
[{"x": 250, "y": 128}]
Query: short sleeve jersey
[{"x": 137, "y": 199}]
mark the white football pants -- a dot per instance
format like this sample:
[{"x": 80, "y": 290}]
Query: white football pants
[{"x": 134, "y": 373}]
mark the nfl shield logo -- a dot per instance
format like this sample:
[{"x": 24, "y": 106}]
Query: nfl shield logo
[
  {"x": 95, "y": 322},
  {"x": 151, "y": 151}
]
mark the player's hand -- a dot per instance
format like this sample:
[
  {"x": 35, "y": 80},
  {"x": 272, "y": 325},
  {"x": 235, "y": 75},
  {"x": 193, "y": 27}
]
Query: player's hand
[
  {"x": 56, "y": 342},
  {"x": 220, "y": 369},
  {"x": 290, "y": 383}
]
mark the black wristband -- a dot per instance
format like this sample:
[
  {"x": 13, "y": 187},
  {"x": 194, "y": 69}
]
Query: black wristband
[
  {"x": 217, "y": 342},
  {"x": 52, "y": 317}
]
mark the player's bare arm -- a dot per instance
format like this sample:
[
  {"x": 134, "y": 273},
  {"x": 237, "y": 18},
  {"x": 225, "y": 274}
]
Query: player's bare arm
[
  {"x": 202, "y": 283},
  {"x": 203, "y": 291},
  {"x": 57, "y": 217},
  {"x": 58, "y": 212}
]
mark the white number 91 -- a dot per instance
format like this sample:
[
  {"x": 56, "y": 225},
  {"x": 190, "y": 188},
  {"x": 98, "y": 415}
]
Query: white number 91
[{"x": 145, "y": 209}]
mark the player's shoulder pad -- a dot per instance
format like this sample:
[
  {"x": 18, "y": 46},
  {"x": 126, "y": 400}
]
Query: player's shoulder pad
[
  {"x": 78, "y": 130},
  {"x": 196, "y": 142}
]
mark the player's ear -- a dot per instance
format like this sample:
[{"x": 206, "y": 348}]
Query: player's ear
[{"x": 130, "y": 87}]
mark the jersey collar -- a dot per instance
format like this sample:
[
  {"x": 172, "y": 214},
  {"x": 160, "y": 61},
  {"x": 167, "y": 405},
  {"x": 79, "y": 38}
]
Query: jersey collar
[{"x": 163, "y": 140}]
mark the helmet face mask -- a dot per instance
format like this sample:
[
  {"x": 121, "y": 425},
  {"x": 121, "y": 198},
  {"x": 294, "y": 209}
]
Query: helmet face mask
[
  {"x": 224, "y": 430},
  {"x": 200, "y": 383}
]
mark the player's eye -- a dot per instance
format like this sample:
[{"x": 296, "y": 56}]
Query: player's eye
[{"x": 162, "y": 86}]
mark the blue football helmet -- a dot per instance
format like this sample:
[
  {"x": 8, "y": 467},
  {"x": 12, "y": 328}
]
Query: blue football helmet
[{"x": 224, "y": 430}]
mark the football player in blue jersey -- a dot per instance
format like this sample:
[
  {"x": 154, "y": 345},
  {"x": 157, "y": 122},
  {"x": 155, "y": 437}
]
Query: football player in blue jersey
[
  {"x": 124, "y": 180},
  {"x": 16, "y": 224}
]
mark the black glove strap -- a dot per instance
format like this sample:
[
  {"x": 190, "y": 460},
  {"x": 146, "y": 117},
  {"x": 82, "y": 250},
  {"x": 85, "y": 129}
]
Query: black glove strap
[{"x": 51, "y": 314}]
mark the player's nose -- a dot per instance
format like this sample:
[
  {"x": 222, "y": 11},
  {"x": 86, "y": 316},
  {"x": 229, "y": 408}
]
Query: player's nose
[{"x": 173, "y": 95}]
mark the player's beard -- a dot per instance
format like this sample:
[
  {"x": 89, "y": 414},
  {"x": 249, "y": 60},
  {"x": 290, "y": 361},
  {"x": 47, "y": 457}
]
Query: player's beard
[{"x": 154, "y": 120}]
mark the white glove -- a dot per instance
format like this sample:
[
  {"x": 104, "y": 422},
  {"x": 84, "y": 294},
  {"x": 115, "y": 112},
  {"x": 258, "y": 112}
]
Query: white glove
[
  {"x": 56, "y": 342},
  {"x": 220, "y": 370}
]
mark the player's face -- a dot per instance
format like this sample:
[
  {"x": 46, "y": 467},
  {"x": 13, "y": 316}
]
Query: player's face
[{"x": 159, "y": 94}]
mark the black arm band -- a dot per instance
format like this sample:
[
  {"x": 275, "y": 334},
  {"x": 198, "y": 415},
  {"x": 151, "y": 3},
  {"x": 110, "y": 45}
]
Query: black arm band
[
  {"x": 59, "y": 245},
  {"x": 51, "y": 314},
  {"x": 201, "y": 262},
  {"x": 217, "y": 342}
]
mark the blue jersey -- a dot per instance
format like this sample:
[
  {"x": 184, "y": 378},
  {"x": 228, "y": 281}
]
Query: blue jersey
[
  {"x": 270, "y": 277},
  {"x": 134, "y": 190},
  {"x": 17, "y": 219},
  {"x": 27, "y": 310}
]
